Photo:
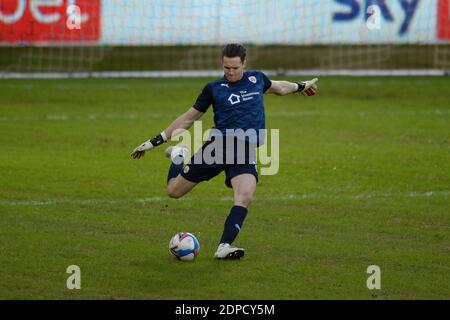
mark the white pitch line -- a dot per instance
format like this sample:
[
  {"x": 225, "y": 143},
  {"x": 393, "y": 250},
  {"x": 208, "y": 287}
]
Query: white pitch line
[{"x": 287, "y": 197}]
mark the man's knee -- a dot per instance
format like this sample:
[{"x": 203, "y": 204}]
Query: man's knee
[
  {"x": 173, "y": 191},
  {"x": 244, "y": 199},
  {"x": 178, "y": 187}
]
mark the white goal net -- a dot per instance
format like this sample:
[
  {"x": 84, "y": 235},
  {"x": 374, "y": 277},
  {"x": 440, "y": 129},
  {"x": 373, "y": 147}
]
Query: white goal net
[{"x": 176, "y": 37}]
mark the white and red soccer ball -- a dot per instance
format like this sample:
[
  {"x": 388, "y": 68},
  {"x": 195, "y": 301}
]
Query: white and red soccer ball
[{"x": 184, "y": 246}]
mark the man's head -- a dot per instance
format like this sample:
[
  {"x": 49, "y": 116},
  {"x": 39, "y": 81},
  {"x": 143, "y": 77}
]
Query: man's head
[{"x": 233, "y": 61}]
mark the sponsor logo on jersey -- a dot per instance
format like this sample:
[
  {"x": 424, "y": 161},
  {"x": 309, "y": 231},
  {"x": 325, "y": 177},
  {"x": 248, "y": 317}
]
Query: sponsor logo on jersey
[{"x": 234, "y": 98}]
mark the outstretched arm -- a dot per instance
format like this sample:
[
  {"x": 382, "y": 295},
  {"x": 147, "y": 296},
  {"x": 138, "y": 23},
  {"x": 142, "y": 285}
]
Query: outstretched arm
[
  {"x": 283, "y": 88},
  {"x": 184, "y": 121}
]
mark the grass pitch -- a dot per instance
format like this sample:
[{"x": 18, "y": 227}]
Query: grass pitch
[{"x": 364, "y": 180}]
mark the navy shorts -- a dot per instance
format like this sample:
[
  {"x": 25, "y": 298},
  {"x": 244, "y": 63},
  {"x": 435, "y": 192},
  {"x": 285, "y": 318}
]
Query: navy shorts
[{"x": 216, "y": 156}]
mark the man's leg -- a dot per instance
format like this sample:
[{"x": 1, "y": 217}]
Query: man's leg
[
  {"x": 177, "y": 186},
  {"x": 182, "y": 179},
  {"x": 244, "y": 186}
]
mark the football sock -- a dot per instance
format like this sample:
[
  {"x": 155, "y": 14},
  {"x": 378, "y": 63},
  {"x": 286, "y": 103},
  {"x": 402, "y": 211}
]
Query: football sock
[
  {"x": 175, "y": 169},
  {"x": 233, "y": 224}
]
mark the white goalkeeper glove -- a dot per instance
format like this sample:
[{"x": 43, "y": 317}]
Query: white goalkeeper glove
[
  {"x": 307, "y": 88},
  {"x": 147, "y": 145}
]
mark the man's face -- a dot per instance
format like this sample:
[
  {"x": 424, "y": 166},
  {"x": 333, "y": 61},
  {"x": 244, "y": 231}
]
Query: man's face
[{"x": 233, "y": 68}]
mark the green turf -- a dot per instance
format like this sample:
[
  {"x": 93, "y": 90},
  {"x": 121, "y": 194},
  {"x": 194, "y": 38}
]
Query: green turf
[{"x": 364, "y": 180}]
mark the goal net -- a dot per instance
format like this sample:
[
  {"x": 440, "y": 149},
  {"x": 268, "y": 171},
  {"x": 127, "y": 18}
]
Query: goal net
[{"x": 184, "y": 37}]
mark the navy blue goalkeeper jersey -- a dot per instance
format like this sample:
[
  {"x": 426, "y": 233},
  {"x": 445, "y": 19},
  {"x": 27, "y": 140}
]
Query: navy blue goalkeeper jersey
[{"x": 236, "y": 105}]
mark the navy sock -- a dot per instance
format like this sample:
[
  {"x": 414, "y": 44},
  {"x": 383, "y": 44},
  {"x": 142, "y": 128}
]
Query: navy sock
[
  {"x": 233, "y": 224},
  {"x": 175, "y": 169}
]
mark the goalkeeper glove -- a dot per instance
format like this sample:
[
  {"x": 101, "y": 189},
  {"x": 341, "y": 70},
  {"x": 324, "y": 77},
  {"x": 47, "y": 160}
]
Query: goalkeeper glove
[
  {"x": 307, "y": 88},
  {"x": 147, "y": 145}
]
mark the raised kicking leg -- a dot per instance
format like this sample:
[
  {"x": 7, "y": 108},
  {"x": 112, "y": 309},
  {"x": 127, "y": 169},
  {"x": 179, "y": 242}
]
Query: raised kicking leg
[{"x": 177, "y": 186}]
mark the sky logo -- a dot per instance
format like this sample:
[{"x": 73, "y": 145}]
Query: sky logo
[{"x": 356, "y": 7}]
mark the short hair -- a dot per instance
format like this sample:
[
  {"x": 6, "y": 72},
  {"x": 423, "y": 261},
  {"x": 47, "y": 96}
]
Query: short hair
[{"x": 232, "y": 50}]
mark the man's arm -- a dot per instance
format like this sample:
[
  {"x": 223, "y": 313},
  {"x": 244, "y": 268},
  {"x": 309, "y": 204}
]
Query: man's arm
[
  {"x": 184, "y": 121},
  {"x": 282, "y": 88}
]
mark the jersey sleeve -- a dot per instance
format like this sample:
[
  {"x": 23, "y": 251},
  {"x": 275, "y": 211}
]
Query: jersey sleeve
[
  {"x": 267, "y": 82},
  {"x": 205, "y": 99}
]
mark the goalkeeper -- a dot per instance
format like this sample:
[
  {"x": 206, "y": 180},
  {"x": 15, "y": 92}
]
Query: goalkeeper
[{"x": 237, "y": 101}]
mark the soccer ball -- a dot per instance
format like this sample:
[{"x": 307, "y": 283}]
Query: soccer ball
[{"x": 184, "y": 246}]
